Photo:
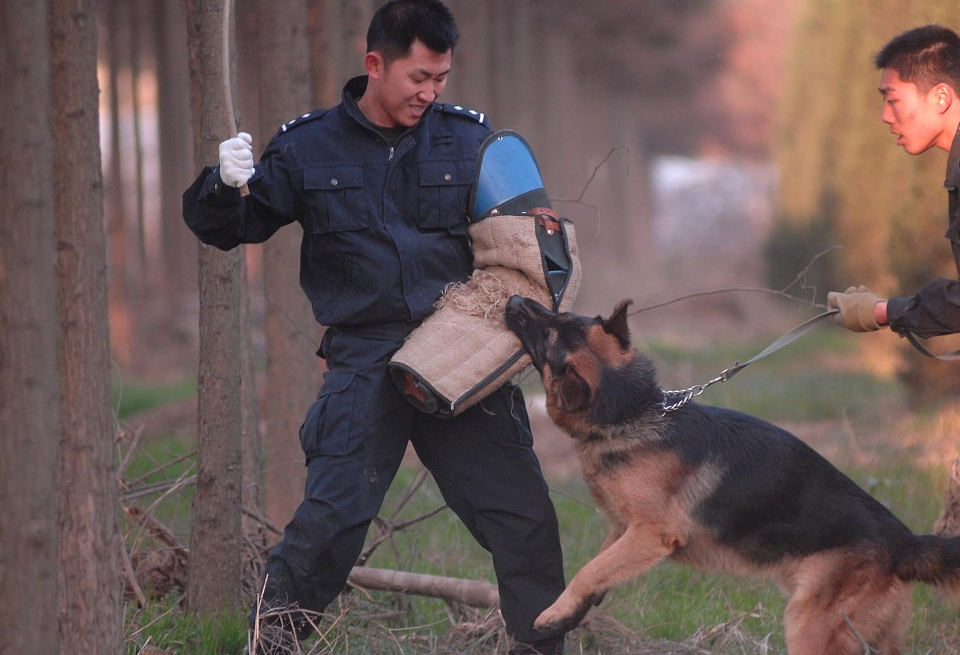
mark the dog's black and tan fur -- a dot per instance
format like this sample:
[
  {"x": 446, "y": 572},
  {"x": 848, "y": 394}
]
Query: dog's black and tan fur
[{"x": 722, "y": 491}]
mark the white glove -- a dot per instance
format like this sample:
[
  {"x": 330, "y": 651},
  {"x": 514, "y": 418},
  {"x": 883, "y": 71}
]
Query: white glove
[{"x": 236, "y": 160}]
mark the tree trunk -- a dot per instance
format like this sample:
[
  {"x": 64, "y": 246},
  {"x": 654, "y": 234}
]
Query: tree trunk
[
  {"x": 29, "y": 408},
  {"x": 121, "y": 324},
  {"x": 88, "y": 504},
  {"x": 215, "y": 562},
  {"x": 176, "y": 276},
  {"x": 251, "y": 440},
  {"x": 138, "y": 246},
  {"x": 292, "y": 370}
]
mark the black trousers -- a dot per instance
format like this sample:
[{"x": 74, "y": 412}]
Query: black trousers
[{"x": 354, "y": 437}]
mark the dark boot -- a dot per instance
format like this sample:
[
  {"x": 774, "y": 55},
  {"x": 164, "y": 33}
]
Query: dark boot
[{"x": 552, "y": 646}]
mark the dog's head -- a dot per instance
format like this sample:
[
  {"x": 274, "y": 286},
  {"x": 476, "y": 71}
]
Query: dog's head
[{"x": 574, "y": 354}]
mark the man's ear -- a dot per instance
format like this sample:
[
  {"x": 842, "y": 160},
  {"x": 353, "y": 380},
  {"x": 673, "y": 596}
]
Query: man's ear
[
  {"x": 374, "y": 64},
  {"x": 944, "y": 96}
]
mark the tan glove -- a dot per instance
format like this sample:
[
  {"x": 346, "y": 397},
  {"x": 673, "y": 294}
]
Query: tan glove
[{"x": 856, "y": 308}]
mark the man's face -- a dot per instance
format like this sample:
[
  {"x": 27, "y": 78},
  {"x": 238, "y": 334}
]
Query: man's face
[
  {"x": 914, "y": 117},
  {"x": 399, "y": 92}
]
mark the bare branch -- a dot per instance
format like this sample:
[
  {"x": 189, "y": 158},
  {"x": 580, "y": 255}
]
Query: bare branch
[
  {"x": 586, "y": 187},
  {"x": 783, "y": 293},
  {"x": 191, "y": 455},
  {"x": 131, "y": 451},
  {"x": 156, "y": 487},
  {"x": 131, "y": 577},
  {"x": 579, "y": 199},
  {"x": 388, "y": 527}
]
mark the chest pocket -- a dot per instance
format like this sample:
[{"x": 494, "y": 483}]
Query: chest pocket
[
  {"x": 335, "y": 198},
  {"x": 443, "y": 192}
]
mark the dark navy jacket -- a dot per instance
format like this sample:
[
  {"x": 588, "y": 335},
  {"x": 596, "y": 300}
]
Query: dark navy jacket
[{"x": 384, "y": 227}]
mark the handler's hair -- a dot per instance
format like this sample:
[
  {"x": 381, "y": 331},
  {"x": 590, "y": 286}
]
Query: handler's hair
[
  {"x": 925, "y": 56},
  {"x": 398, "y": 23}
]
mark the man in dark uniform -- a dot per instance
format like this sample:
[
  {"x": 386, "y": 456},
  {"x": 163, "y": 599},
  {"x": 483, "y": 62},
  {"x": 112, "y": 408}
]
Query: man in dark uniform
[
  {"x": 920, "y": 82},
  {"x": 380, "y": 184}
]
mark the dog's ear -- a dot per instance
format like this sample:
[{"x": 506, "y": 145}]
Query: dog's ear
[
  {"x": 571, "y": 392},
  {"x": 617, "y": 324}
]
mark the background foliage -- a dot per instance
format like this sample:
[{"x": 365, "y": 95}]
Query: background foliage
[{"x": 843, "y": 181}]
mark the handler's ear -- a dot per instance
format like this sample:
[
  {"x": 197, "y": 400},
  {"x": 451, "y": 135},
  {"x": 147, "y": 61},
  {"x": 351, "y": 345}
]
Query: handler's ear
[
  {"x": 374, "y": 64},
  {"x": 617, "y": 324},
  {"x": 944, "y": 95},
  {"x": 570, "y": 391}
]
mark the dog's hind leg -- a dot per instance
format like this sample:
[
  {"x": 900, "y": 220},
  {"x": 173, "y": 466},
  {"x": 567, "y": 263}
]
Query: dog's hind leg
[
  {"x": 844, "y": 607},
  {"x": 638, "y": 549}
]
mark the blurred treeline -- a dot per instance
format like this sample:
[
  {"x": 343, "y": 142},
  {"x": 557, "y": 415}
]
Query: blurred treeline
[
  {"x": 843, "y": 180},
  {"x": 600, "y": 90}
]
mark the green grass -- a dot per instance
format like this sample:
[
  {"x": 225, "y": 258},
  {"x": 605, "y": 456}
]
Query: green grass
[
  {"x": 165, "y": 461},
  {"x": 130, "y": 397},
  {"x": 165, "y": 626},
  {"x": 719, "y": 613}
]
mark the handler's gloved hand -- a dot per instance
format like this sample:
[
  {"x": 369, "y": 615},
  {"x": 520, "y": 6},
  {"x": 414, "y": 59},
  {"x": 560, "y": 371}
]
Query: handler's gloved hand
[
  {"x": 236, "y": 160},
  {"x": 856, "y": 308}
]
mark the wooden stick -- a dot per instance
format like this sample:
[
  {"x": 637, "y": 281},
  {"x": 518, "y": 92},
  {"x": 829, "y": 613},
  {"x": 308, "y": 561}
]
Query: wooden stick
[
  {"x": 473, "y": 593},
  {"x": 232, "y": 123}
]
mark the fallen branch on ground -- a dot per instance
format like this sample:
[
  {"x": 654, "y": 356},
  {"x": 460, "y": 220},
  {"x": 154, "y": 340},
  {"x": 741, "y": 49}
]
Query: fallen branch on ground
[{"x": 472, "y": 593}]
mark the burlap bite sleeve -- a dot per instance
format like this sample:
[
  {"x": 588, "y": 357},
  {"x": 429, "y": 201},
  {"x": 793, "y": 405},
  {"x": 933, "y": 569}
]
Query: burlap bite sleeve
[{"x": 464, "y": 350}]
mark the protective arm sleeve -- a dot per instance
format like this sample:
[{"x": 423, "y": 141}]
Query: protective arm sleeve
[{"x": 931, "y": 312}]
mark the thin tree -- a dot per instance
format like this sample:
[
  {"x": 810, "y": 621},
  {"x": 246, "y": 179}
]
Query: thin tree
[
  {"x": 215, "y": 561},
  {"x": 292, "y": 373},
  {"x": 176, "y": 275},
  {"x": 89, "y": 534},
  {"x": 251, "y": 442},
  {"x": 29, "y": 407},
  {"x": 123, "y": 335}
]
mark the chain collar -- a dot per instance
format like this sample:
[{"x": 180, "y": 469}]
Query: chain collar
[{"x": 683, "y": 396}]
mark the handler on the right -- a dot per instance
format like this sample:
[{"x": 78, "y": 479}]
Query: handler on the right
[{"x": 920, "y": 83}]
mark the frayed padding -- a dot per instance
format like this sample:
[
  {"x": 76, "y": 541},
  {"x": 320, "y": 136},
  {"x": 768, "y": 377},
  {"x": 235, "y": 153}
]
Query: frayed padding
[{"x": 486, "y": 293}]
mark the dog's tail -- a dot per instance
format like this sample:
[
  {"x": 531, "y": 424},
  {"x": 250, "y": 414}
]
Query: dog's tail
[{"x": 934, "y": 560}]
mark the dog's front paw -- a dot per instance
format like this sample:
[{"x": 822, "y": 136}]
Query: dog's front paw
[{"x": 565, "y": 614}]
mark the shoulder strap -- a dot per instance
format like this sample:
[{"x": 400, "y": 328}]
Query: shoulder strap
[
  {"x": 459, "y": 110},
  {"x": 300, "y": 120}
]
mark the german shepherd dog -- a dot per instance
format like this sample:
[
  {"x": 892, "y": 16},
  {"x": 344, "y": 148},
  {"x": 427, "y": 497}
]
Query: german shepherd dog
[{"x": 722, "y": 491}]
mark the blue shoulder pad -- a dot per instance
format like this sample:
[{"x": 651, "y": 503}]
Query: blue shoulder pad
[
  {"x": 459, "y": 110},
  {"x": 300, "y": 120}
]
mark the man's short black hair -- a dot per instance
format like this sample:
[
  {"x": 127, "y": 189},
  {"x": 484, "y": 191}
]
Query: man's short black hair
[
  {"x": 925, "y": 56},
  {"x": 398, "y": 23}
]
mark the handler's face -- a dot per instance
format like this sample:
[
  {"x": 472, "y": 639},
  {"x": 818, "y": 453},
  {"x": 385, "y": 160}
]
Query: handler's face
[
  {"x": 400, "y": 92},
  {"x": 914, "y": 117}
]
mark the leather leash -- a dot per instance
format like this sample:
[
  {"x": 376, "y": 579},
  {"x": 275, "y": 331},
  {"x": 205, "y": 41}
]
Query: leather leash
[
  {"x": 946, "y": 357},
  {"x": 686, "y": 395}
]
